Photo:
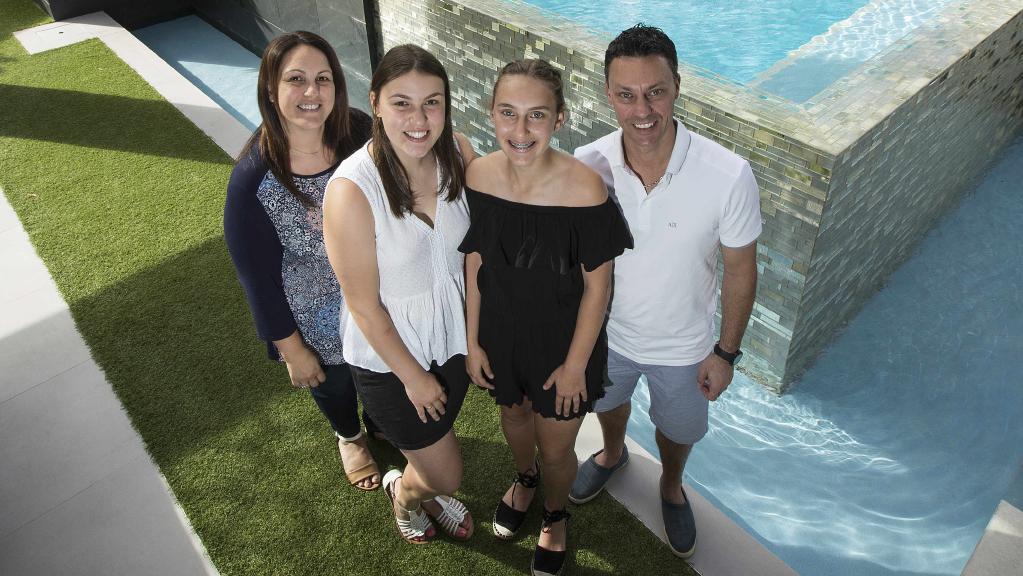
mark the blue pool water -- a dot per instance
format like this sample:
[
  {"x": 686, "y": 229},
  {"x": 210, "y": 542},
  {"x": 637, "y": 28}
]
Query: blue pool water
[
  {"x": 737, "y": 39},
  {"x": 846, "y": 45},
  {"x": 742, "y": 39},
  {"x": 892, "y": 452},
  {"x": 215, "y": 63}
]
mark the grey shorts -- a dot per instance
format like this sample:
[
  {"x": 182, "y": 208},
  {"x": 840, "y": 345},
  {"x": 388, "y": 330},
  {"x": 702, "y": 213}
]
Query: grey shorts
[{"x": 677, "y": 408}]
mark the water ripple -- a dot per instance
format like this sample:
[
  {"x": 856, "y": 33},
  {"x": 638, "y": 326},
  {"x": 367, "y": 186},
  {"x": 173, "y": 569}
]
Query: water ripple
[{"x": 737, "y": 39}]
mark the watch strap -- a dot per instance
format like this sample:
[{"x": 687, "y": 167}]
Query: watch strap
[{"x": 729, "y": 357}]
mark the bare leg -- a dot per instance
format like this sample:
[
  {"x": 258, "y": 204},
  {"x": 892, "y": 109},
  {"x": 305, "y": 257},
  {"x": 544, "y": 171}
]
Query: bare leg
[
  {"x": 556, "y": 439},
  {"x": 613, "y": 424},
  {"x": 673, "y": 461},
  {"x": 519, "y": 431},
  {"x": 431, "y": 471}
]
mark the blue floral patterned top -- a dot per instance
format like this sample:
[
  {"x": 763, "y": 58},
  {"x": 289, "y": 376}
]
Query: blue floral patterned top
[
  {"x": 310, "y": 286},
  {"x": 276, "y": 245}
]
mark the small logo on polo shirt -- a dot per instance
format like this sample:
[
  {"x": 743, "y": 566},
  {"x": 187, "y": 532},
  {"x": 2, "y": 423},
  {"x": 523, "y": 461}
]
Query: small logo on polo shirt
[{"x": 672, "y": 224}]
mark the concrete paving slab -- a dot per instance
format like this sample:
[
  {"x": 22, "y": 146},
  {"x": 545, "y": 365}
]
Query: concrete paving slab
[
  {"x": 38, "y": 340},
  {"x": 123, "y": 524},
  {"x": 8, "y": 218},
  {"x": 66, "y": 32},
  {"x": 78, "y": 492},
  {"x": 59, "y": 438},
  {"x": 21, "y": 271},
  {"x": 218, "y": 124}
]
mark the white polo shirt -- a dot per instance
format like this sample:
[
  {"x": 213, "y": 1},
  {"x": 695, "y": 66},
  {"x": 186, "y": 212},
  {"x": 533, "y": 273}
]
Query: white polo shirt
[{"x": 665, "y": 290}]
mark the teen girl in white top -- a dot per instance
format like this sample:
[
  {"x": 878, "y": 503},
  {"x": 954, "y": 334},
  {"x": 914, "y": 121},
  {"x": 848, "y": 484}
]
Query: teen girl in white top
[{"x": 394, "y": 214}]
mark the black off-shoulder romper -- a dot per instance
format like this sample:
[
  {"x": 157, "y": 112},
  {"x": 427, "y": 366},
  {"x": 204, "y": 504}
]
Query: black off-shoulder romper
[{"x": 531, "y": 284}]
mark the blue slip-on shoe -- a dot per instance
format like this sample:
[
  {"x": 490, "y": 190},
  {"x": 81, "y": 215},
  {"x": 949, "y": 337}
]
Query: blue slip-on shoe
[
  {"x": 679, "y": 526},
  {"x": 591, "y": 477}
]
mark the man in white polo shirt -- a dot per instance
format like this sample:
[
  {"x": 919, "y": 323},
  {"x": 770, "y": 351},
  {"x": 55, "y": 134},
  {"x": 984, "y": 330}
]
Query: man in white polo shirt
[{"x": 686, "y": 200}]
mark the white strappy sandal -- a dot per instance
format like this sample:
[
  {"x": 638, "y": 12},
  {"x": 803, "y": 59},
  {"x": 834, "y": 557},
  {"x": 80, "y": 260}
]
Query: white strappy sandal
[
  {"x": 417, "y": 528},
  {"x": 452, "y": 514}
]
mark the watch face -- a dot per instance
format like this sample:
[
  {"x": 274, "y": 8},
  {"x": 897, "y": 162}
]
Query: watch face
[{"x": 738, "y": 356}]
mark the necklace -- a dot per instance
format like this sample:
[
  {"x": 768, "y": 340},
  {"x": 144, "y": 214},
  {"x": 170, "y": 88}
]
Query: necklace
[
  {"x": 304, "y": 152},
  {"x": 648, "y": 187}
]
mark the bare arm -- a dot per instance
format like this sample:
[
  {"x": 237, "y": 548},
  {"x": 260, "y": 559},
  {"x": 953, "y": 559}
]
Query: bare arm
[
  {"x": 592, "y": 308},
  {"x": 477, "y": 364},
  {"x": 738, "y": 290},
  {"x": 468, "y": 152},
  {"x": 349, "y": 236}
]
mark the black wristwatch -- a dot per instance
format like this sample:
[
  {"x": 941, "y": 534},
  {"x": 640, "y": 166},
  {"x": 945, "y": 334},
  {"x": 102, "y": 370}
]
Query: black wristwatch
[{"x": 731, "y": 357}]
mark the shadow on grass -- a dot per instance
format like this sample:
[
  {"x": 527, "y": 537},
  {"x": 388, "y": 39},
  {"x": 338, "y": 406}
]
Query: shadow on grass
[
  {"x": 4, "y": 60},
  {"x": 256, "y": 467},
  {"x": 83, "y": 119}
]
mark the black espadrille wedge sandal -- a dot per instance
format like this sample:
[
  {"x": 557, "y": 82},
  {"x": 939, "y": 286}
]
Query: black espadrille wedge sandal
[
  {"x": 548, "y": 562},
  {"x": 508, "y": 520}
]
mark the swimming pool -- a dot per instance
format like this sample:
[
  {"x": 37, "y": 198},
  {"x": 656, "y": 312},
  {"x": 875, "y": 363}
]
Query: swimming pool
[
  {"x": 744, "y": 39},
  {"x": 892, "y": 452},
  {"x": 220, "y": 67}
]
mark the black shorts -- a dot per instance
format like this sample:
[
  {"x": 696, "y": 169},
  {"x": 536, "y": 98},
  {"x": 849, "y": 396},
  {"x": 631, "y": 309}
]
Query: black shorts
[{"x": 383, "y": 396}]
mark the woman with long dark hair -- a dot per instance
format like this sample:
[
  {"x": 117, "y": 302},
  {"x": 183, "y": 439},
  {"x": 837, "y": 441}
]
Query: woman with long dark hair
[
  {"x": 273, "y": 228},
  {"x": 394, "y": 214},
  {"x": 538, "y": 273}
]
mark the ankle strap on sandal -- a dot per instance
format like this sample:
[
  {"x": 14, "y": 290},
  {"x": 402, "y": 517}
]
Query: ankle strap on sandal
[
  {"x": 553, "y": 516},
  {"x": 527, "y": 480}
]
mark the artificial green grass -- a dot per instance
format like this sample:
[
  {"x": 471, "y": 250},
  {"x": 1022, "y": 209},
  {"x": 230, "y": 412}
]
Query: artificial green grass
[{"x": 122, "y": 197}]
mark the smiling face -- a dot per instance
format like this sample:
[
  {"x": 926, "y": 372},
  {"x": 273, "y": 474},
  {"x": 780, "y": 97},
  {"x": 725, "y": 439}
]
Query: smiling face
[
  {"x": 305, "y": 89},
  {"x": 411, "y": 109},
  {"x": 642, "y": 90},
  {"x": 525, "y": 116}
]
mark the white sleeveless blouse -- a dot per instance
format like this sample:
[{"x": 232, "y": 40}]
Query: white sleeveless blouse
[{"x": 422, "y": 284}]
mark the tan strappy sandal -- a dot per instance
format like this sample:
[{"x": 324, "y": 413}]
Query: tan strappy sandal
[{"x": 364, "y": 472}]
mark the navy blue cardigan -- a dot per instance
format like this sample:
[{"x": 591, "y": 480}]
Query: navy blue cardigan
[{"x": 255, "y": 247}]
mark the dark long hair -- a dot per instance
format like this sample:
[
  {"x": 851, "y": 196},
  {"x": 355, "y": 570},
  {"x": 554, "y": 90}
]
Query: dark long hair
[
  {"x": 398, "y": 61},
  {"x": 271, "y": 137}
]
